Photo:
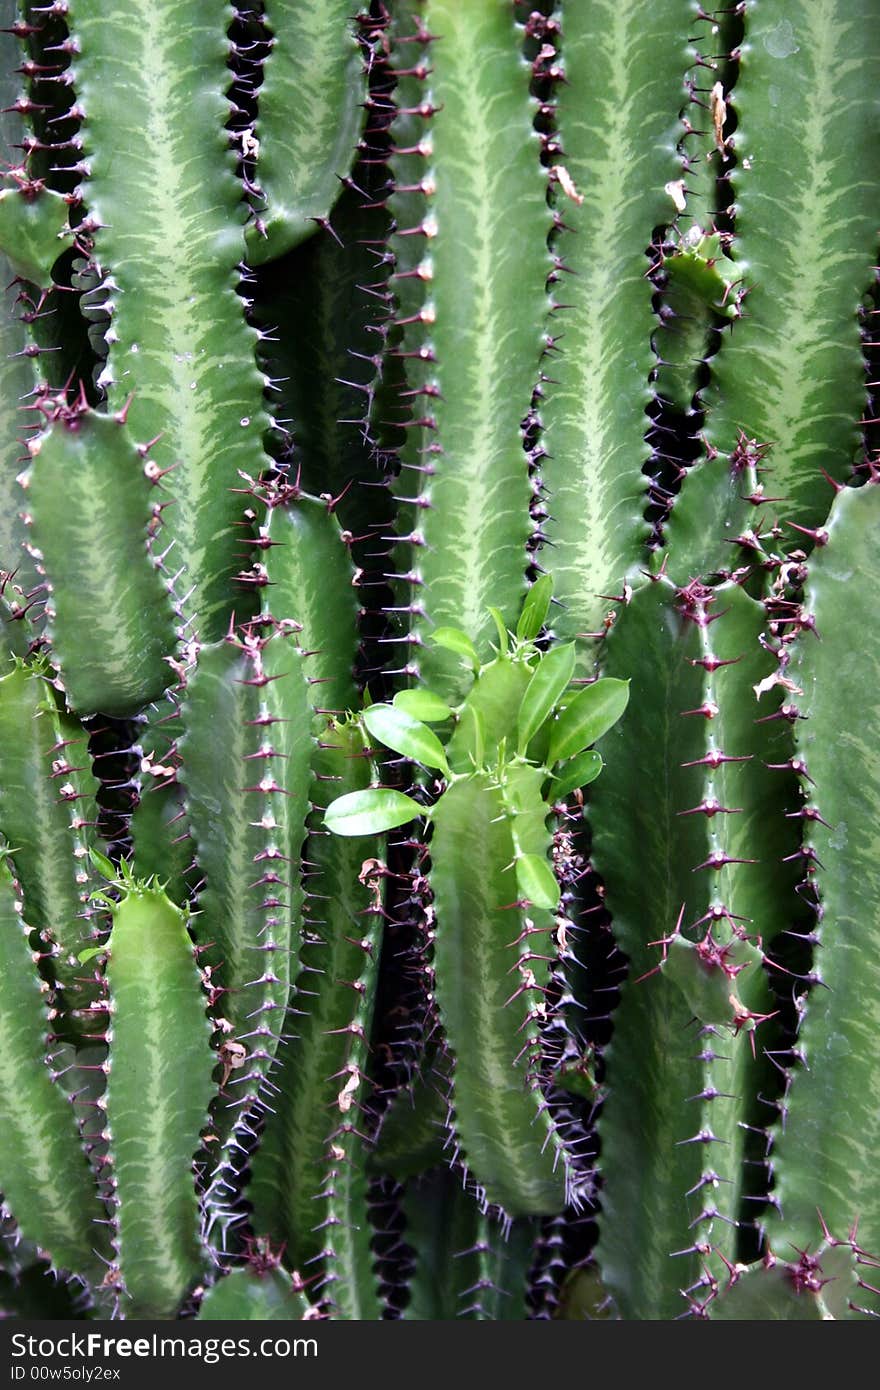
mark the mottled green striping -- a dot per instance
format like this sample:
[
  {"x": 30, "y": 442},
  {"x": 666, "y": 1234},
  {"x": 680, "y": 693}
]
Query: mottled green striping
[
  {"x": 487, "y": 261},
  {"x": 151, "y": 77},
  {"x": 309, "y": 122},
  {"x": 646, "y": 1162},
  {"x": 506, "y": 1135},
  {"x": 806, "y": 239},
  {"x": 44, "y": 1175},
  {"x": 109, "y": 614},
  {"x": 308, "y": 1183},
  {"x": 17, "y": 376},
  {"x": 760, "y": 897},
  {"x": 234, "y": 738},
  {"x": 48, "y": 811},
  {"x": 311, "y": 580},
  {"x": 158, "y": 1090},
  {"x": 625, "y": 66},
  {"x": 160, "y": 841},
  {"x": 827, "y": 1155},
  {"x": 248, "y": 1296},
  {"x": 680, "y": 342}
]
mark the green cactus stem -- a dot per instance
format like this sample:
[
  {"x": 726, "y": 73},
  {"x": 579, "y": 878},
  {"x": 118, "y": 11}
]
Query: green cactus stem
[
  {"x": 687, "y": 311},
  {"x": 161, "y": 845},
  {"x": 311, "y": 110},
  {"x": 685, "y": 801},
  {"x": 616, "y": 121},
  {"x": 827, "y": 1285},
  {"x": 806, "y": 236},
  {"x": 325, "y": 312},
  {"x": 150, "y": 82},
  {"x": 44, "y": 1174},
  {"x": 471, "y": 262},
  {"x": 255, "y": 1294},
  {"x": 308, "y": 1178},
  {"x": 159, "y": 1086},
  {"x": 466, "y": 1263},
  {"x": 832, "y": 1118},
  {"x": 310, "y": 578},
  {"x": 93, "y": 529},
  {"x": 48, "y": 814},
  {"x": 34, "y": 230}
]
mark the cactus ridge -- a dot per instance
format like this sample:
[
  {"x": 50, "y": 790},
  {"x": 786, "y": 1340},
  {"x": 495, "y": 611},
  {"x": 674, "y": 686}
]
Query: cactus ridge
[
  {"x": 624, "y": 80},
  {"x": 803, "y": 326},
  {"x": 47, "y": 1182},
  {"x": 317, "y": 1132},
  {"x": 159, "y": 1085},
  {"x": 112, "y": 632},
  {"x": 817, "y": 1159},
  {"x": 310, "y": 114},
  {"x": 178, "y": 340},
  {"x": 49, "y": 816},
  {"x": 471, "y": 351}
]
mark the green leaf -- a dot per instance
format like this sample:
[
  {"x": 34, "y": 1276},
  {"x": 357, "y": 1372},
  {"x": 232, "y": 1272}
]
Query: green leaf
[
  {"x": 422, "y": 704},
  {"x": 548, "y": 684},
  {"x": 84, "y": 956},
  {"x": 535, "y": 608},
  {"x": 580, "y": 772},
  {"x": 590, "y": 714},
  {"x": 454, "y": 640},
  {"x": 535, "y": 881},
  {"x": 104, "y": 866},
  {"x": 370, "y": 812},
  {"x": 400, "y": 732},
  {"x": 498, "y": 620}
]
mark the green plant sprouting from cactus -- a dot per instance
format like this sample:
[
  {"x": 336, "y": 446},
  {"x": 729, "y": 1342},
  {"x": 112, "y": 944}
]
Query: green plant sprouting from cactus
[{"x": 344, "y": 344}]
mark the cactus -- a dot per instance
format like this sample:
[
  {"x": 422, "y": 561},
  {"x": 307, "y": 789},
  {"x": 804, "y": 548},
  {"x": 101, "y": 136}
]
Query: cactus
[{"x": 438, "y": 512}]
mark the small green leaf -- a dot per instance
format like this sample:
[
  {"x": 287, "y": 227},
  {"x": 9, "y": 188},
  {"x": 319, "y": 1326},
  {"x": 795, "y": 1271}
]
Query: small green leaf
[
  {"x": 591, "y": 714},
  {"x": 454, "y": 640},
  {"x": 535, "y": 882},
  {"x": 543, "y": 692},
  {"x": 580, "y": 772},
  {"x": 422, "y": 704},
  {"x": 104, "y": 865},
  {"x": 370, "y": 812},
  {"x": 535, "y": 608},
  {"x": 405, "y": 735},
  {"x": 84, "y": 956},
  {"x": 498, "y": 620}
]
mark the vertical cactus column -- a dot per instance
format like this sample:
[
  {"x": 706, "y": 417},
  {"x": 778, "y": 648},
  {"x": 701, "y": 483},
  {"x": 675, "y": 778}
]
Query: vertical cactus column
[
  {"x": 616, "y": 120},
  {"x": 822, "y": 1155},
  {"x": 805, "y": 242},
  {"x": 150, "y": 82},
  {"x": 471, "y": 262}
]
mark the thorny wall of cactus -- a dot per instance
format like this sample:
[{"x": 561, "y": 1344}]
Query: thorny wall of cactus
[{"x": 390, "y": 394}]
